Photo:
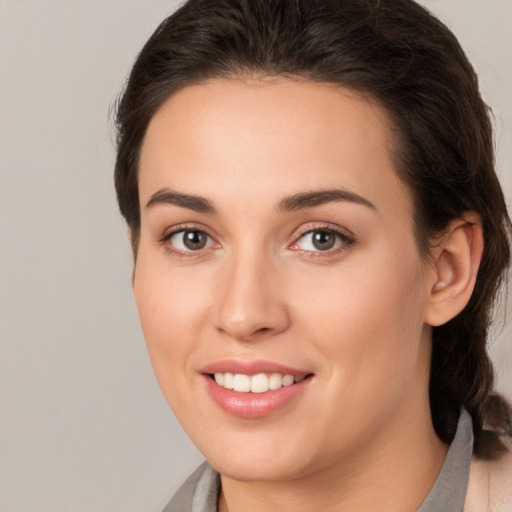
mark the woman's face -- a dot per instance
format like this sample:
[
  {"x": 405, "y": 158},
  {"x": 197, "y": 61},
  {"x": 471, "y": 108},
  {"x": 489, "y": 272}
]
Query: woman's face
[{"x": 277, "y": 241}]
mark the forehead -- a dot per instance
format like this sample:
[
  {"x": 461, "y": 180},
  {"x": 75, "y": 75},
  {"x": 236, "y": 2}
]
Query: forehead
[{"x": 223, "y": 137}]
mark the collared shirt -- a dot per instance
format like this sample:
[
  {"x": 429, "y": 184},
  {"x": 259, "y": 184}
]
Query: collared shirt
[{"x": 200, "y": 493}]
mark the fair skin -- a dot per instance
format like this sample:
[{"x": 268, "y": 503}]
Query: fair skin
[{"x": 247, "y": 265}]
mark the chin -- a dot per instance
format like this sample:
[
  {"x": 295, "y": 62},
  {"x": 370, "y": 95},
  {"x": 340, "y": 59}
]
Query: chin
[
  {"x": 248, "y": 468},
  {"x": 259, "y": 456}
]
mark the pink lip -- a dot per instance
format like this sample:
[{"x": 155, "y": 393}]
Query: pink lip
[
  {"x": 251, "y": 368},
  {"x": 253, "y": 405}
]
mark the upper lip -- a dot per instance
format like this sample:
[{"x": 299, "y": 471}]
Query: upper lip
[{"x": 252, "y": 368}]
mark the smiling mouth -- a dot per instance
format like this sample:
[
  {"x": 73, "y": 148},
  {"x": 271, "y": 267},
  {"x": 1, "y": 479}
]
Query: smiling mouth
[{"x": 258, "y": 383}]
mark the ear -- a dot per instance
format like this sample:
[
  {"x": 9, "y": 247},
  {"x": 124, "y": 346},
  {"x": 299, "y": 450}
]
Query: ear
[{"x": 456, "y": 259}]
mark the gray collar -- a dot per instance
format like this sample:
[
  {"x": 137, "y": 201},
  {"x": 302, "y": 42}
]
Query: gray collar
[
  {"x": 201, "y": 491},
  {"x": 449, "y": 491}
]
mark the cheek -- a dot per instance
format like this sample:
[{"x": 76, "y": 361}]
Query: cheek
[
  {"x": 368, "y": 323},
  {"x": 171, "y": 306}
]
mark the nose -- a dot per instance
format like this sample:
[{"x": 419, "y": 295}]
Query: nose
[{"x": 251, "y": 303}]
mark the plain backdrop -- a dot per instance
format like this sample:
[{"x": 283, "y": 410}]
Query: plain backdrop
[{"x": 83, "y": 427}]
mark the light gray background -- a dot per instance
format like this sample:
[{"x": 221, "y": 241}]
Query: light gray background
[{"x": 83, "y": 427}]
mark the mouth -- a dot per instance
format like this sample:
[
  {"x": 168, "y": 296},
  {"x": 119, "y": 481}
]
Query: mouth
[
  {"x": 257, "y": 383},
  {"x": 254, "y": 389}
]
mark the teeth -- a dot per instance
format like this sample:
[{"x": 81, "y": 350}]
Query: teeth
[
  {"x": 228, "y": 381},
  {"x": 288, "y": 380},
  {"x": 259, "y": 383},
  {"x": 242, "y": 383},
  {"x": 275, "y": 381}
]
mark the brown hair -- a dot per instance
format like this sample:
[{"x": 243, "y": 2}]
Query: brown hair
[{"x": 398, "y": 53}]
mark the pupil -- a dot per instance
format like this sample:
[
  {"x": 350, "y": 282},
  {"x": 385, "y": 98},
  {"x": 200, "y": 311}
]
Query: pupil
[
  {"x": 194, "y": 240},
  {"x": 323, "y": 240}
]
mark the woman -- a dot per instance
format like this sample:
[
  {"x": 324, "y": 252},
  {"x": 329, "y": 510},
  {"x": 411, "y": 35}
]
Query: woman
[{"x": 319, "y": 238}]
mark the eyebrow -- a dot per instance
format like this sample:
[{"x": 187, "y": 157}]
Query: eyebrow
[
  {"x": 165, "y": 196},
  {"x": 314, "y": 198},
  {"x": 300, "y": 201}
]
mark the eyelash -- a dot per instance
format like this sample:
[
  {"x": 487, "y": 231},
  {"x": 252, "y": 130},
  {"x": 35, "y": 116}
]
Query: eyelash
[
  {"x": 344, "y": 241},
  {"x": 182, "y": 229}
]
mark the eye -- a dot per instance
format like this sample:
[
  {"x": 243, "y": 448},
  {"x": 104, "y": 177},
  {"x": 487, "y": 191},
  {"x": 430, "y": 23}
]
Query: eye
[
  {"x": 322, "y": 240},
  {"x": 187, "y": 240}
]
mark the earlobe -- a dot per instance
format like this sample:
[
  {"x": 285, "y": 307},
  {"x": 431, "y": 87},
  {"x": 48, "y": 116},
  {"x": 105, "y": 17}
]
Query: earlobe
[{"x": 456, "y": 259}]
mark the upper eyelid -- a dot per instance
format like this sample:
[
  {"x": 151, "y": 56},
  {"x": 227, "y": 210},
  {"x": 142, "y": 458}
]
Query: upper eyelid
[
  {"x": 297, "y": 234},
  {"x": 345, "y": 237},
  {"x": 165, "y": 241},
  {"x": 319, "y": 226},
  {"x": 169, "y": 232}
]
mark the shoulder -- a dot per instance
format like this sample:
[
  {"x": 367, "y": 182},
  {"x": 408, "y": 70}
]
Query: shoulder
[
  {"x": 199, "y": 493},
  {"x": 490, "y": 483}
]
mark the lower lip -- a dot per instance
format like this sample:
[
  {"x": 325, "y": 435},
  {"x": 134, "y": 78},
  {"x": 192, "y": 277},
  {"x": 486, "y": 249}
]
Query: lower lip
[{"x": 253, "y": 405}]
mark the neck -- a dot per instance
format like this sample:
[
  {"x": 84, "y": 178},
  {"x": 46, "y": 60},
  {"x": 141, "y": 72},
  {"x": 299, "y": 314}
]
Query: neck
[{"x": 391, "y": 473}]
